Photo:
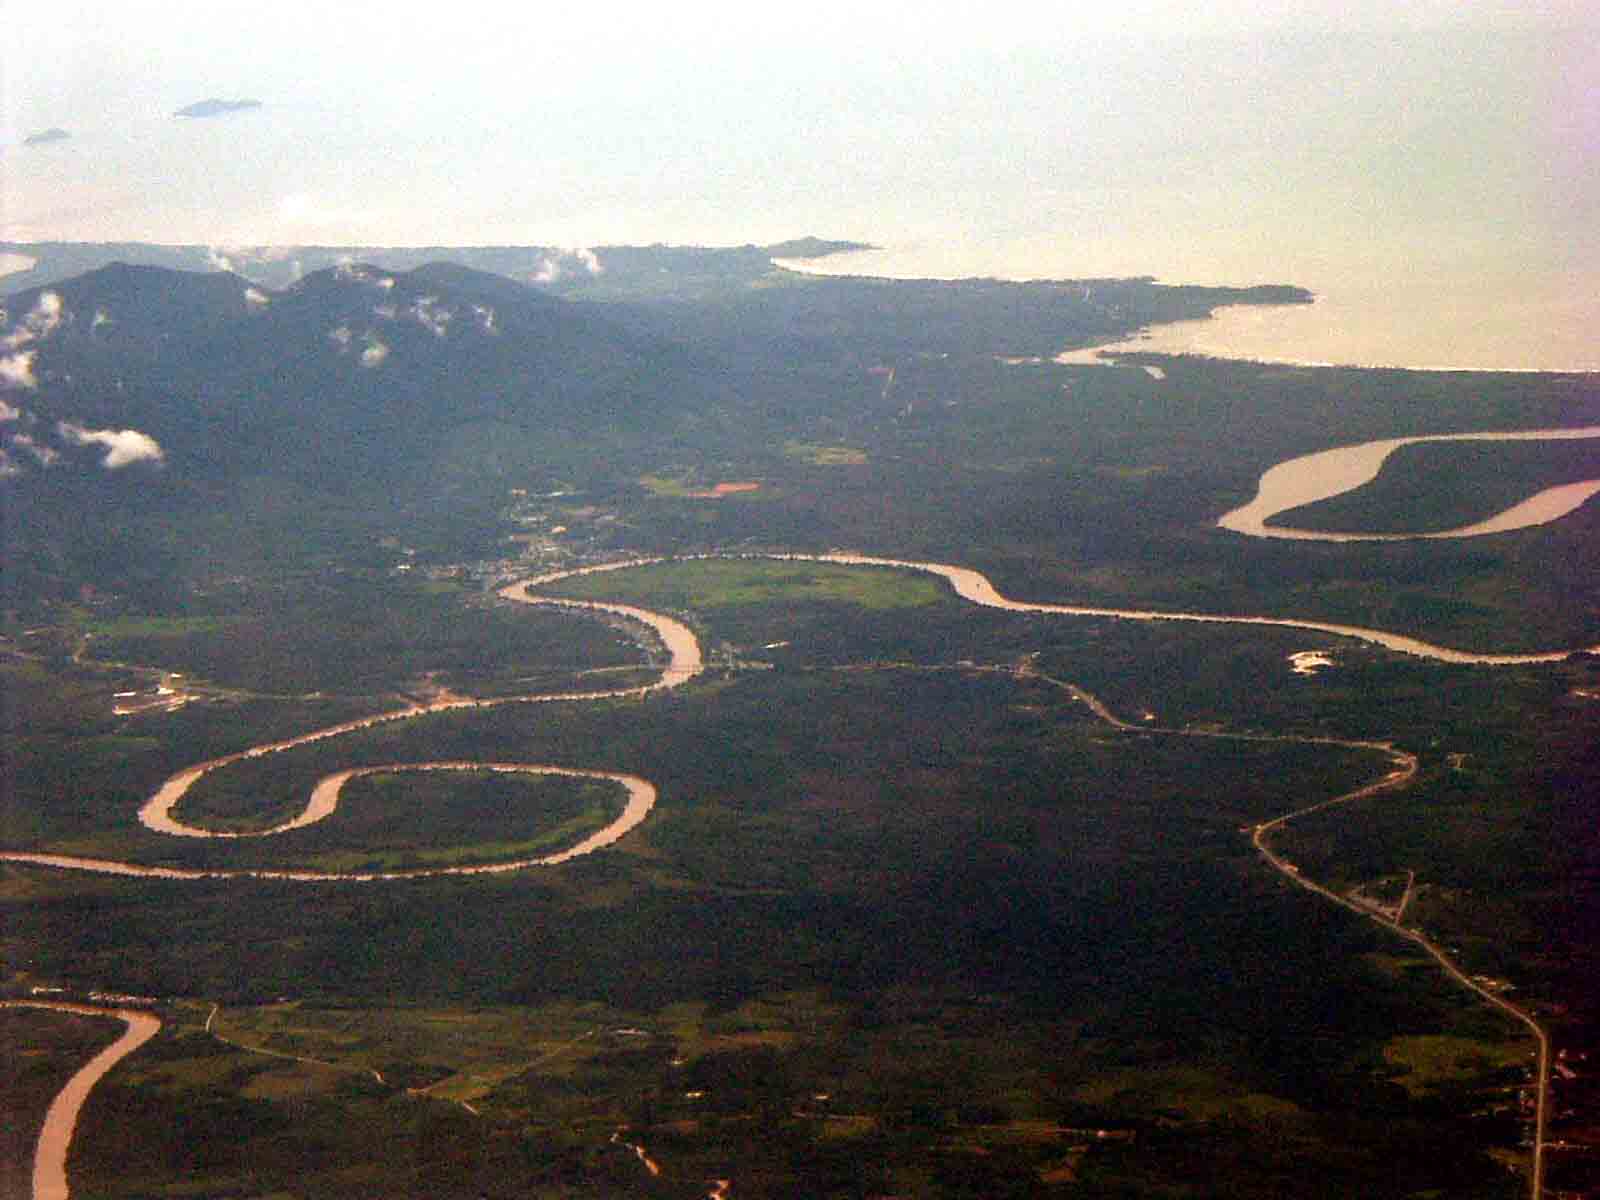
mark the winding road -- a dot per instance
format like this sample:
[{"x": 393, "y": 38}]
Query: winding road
[
  {"x": 1405, "y": 766},
  {"x": 1285, "y": 486}
]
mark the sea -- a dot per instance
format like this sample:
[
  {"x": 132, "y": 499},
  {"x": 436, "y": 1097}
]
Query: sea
[
  {"x": 1437, "y": 189},
  {"x": 1389, "y": 315}
]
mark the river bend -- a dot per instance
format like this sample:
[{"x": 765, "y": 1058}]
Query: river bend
[
  {"x": 1328, "y": 473},
  {"x": 61, "y": 1119},
  {"x": 685, "y": 662}
]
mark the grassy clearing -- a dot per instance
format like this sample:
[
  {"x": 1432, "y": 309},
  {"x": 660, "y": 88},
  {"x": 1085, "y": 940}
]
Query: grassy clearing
[
  {"x": 566, "y": 834},
  {"x": 1428, "y": 1061},
  {"x": 727, "y": 583},
  {"x": 1130, "y": 474},
  {"x": 839, "y": 1129},
  {"x": 825, "y": 456},
  {"x": 1397, "y": 967},
  {"x": 397, "y": 819},
  {"x": 458, "y": 1054},
  {"x": 778, "y": 1021},
  {"x": 1197, "y": 1093},
  {"x": 292, "y": 1081},
  {"x": 470, "y": 1054},
  {"x": 665, "y": 486},
  {"x": 157, "y": 627}
]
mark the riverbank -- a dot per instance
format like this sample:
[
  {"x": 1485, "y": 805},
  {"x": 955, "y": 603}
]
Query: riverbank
[
  {"x": 1328, "y": 473},
  {"x": 61, "y": 1120}
]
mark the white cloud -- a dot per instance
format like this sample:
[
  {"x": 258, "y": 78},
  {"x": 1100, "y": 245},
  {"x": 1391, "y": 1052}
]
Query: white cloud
[
  {"x": 375, "y": 352},
  {"x": 429, "y": 315},
  {"x": 40, "y": 322},
  {"x": 46, "y": 312},
  {"x": 348, "y": 270},
  {"x": 8, "y": 413},
  {"x": 237, "y": 258},
  {"x": 385, "y": 312},
  {"x": 44, "y": 454},
  {"x": 123, "y": 446},
  {"x": 256, "y": 298},
  {"x": 554, "y": 266},
  {"x": 16, "y": 370}
]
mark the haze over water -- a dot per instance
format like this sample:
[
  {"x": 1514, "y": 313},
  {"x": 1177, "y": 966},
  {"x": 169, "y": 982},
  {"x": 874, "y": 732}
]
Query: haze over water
[
  {"x": 1439, "y": 192},
  {"x": 1375, "y": 314},
  {"x": 1428, "y": 170}
]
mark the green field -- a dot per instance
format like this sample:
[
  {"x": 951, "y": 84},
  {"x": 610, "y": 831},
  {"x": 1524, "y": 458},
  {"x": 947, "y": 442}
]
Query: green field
[
  {"x": 713, "y": 584},
  {"x": 825, "y": 456},
  {"x": 362, "y": 633},
  {"x": 154, "y": 627},
  {"x": 1428, "y": 1062}
]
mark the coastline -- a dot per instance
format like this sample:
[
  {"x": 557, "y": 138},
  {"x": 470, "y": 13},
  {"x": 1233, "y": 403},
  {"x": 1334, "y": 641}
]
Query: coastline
[
  {"x": 1170, "y": 341},
  {"x": 1380, "y": 316}
]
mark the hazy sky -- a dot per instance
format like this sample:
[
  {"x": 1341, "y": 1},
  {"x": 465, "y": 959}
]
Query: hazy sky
[
  {"x": 719, "y": 122},
  {"x": 1305, "y": 141}
]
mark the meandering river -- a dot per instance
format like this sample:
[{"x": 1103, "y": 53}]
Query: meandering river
[
  {"x": 61, "y": 1119},
  {"x": 685, "y": 661},
  {"x": 1288, "y": 485},
  {"x": 1329, "y": 473}
]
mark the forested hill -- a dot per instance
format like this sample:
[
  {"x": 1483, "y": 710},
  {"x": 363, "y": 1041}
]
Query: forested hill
[
  {"x": 357, "y": 371},
  {"x": 145, "y": 406},
  {"x": 638, "y": 270},
  {"x": 352, "y": 370},
  {"x": 362, "y": 397},
  {"x": 655, "y": 273}
]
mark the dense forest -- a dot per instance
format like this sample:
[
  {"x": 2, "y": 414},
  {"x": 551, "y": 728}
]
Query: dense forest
[{"x": 911, "y": 915}]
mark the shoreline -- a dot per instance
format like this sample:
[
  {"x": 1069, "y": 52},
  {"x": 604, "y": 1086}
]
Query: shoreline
[
  {"x": 1161, "y": 340},
  {"x": 1327, "y": 302},
  {"x": 1113, "y": 354}
]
